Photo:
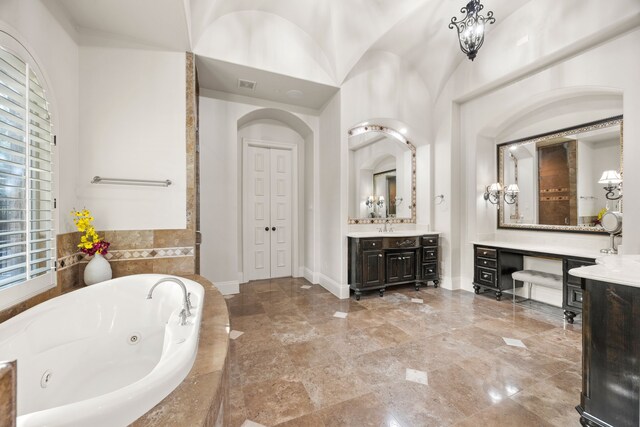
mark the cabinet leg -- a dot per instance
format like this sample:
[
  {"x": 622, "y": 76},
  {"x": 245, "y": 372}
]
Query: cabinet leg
[
  {"x": 358, "y": 296},
  {"x": 569, "y": 315},
  {"x": 476, "y": 289},
  {"x": 418, "y": 286},
  {"x": 498, "y": 295},
  {"x": 381, "y": 292},
  {"x": 436, "y": 283}
]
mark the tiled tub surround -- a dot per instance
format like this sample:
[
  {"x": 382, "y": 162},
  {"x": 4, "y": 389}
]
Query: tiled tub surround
[
  {"x": 8, "y": 394},
  {"x": 131, "y": 252},
  {"x": 429, "y": 358}
]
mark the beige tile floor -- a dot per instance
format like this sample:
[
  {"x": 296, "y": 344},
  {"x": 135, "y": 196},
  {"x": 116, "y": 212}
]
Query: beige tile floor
[{"x": 297, "y": 365}]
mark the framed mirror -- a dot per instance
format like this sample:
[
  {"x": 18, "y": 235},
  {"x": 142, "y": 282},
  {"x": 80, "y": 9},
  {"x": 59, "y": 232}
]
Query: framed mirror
[
  {"x": 551, "y": 180},
  {"x": 382, "y": 176}
]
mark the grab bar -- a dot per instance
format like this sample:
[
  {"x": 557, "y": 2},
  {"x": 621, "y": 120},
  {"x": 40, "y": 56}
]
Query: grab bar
[{"x": 119, "y": 181}]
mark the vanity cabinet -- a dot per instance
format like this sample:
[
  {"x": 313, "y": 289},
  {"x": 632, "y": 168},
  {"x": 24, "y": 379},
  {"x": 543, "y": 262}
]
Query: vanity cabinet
[
  {"x": 572, "y": 296},
  {"x": 493, "y": 267},
  {"x": 493, "y": 272},
  {"x": 378, "y": 262},
  {"x": 610, "y": 348}
]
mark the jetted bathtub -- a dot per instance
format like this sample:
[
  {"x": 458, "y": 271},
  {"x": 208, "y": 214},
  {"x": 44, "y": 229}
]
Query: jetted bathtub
[{"x": 103, "y": 355}]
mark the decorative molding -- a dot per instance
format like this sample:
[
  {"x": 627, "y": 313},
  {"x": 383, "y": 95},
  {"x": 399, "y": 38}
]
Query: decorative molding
[{"x": 359, "y": 130}]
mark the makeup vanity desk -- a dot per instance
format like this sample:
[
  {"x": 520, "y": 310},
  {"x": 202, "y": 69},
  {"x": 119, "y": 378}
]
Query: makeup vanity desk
[{"x": 495, "y": 261}]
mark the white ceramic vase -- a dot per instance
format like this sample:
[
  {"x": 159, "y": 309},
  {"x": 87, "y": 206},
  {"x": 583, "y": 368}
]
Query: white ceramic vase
[{"x": 98, "y": 270}]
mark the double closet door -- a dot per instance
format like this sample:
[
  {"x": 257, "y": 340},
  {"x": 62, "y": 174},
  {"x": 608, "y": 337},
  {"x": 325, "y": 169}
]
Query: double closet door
[{"x": 268, "y": 183}]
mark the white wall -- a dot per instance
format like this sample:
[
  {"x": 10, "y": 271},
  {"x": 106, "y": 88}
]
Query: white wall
[
  {"x": 332, "y": 218},
  {"x": 56, "y": 53},
  {"x": 221, "y": 181},
  {"x": 132, "y": 125}
]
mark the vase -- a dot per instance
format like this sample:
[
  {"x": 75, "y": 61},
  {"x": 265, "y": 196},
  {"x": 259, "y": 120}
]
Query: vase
[{"x": 98, "y": 270}]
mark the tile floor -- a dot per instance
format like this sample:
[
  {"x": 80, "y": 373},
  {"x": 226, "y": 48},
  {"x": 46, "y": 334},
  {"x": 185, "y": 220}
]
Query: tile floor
[{"x": 456, "y": 359}]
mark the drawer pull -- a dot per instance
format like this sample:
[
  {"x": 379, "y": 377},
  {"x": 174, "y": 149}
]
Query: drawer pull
[
  {"x": 373, "y": 244},
  {"x": 486, "y": 276},
  {"x": 484, "y": 253},
  {"x": 380, "y": 255},
  {"x": 485, "y": 262}
]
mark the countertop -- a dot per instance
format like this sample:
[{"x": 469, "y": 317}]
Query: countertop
[
  {"x": 619, "y": 269},
  {"x": 593, "y": 253},
  {"x": 197, "y": 400},
  {"x": 398, "y": 233}
]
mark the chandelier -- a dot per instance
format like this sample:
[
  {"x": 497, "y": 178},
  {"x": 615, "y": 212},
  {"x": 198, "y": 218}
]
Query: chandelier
[{"x": 471, "y": 28}]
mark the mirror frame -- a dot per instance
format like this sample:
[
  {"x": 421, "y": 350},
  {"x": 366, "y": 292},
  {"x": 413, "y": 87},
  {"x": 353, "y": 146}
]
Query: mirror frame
[
  {"x": 585, "y": 127},
  {"x": 363, "y": 129}
]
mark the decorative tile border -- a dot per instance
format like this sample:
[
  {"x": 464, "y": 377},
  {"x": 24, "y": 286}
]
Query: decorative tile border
[{"x": 129, "y": 255}]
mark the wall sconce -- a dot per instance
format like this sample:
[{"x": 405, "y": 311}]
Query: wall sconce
[
  {"x": 612, "y": 181},
  {"x": 511, "y": 194},
  {"x": 380, "y": 202},
  {"x": 492, "y": 193},
  {"x": 471, "y": 28},
  {"x": 369, "y": 202}
]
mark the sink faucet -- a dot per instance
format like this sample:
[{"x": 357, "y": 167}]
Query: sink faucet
[
  {"x": 186, "y": 308},
  {"x": 387, "y": 229}
]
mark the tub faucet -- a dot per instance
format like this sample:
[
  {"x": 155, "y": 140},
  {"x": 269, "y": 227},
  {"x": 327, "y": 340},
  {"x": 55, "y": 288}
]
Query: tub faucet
[{"x": 186, "y": 309}]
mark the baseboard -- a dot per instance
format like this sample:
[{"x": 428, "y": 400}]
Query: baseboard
[
  {"x": 300, "y": 272},
  {"x": 334, "y": 287},
  {"x": 228, "y": 288},
  {"x": 311, "y": 276}
]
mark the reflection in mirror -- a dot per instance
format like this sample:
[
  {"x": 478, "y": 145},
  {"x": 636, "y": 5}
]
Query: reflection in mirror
[
  {"x": 381, "y": 176},
  {"x": 557, "y": 177}
]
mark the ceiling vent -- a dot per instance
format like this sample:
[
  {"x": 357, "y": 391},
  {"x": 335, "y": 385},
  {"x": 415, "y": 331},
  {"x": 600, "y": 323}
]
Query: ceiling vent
[{"x": 246, "y": 84}]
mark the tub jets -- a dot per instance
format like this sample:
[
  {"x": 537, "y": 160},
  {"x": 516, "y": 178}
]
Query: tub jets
[{"x": 186, "y": 308}]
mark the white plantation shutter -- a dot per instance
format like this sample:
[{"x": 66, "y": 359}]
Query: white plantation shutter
[{"x": 26, "y": 191}]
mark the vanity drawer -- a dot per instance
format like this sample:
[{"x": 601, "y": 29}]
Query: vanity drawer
[
  {"x": 401, "y": 242},
  {"x": 429, "y": 254},
  {"x": 574, "y": 296},
  {"x": 575, "y": 263},
  {"x": 429, "y": 271},
  {"x": 429, "y": 240},
  {"x": 488, "y": 263},
  {"x": 371, "y": 244},
  {"x": 486, "y": 276},
  {"x": 486, "y": 253}
]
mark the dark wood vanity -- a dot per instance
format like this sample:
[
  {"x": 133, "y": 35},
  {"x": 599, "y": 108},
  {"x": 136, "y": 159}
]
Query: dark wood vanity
[
  {"x": 610, "y": 355},
  {"x": 494, "y": 265},
  {"x": 376, "y": 263}
]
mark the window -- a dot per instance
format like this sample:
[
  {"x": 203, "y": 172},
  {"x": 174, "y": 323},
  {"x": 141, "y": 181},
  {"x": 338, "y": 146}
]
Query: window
[{"x": 26, "y": 183}]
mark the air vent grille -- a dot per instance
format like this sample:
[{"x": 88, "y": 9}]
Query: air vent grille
[{"x": 246, "y": 84}]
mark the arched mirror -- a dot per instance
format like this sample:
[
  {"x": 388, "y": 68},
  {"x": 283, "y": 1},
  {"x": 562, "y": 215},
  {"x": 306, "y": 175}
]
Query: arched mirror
[{"x": 382, "y": 176}]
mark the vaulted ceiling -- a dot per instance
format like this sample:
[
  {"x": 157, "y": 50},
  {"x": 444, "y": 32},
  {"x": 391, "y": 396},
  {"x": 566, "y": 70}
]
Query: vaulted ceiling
[{"x": 320, "y": 41}]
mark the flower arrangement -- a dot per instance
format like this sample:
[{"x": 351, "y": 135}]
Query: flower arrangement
[
  {"x": 600, "y": 214},
  {"x": 90, "y": 243}
]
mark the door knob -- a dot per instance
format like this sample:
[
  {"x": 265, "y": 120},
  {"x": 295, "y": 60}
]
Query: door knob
[
  {"x": 266, "y": 229},
  {"x": 273, "y": 229}
]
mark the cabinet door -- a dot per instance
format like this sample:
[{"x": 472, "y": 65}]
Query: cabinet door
[
  {"x": 408, "y": 263},
  {"x": 401, "y": 266},
  {"x": 372, "y": 268}
]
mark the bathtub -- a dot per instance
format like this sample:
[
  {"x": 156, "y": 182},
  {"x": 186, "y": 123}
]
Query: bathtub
[{"x": 103, "y": 355}]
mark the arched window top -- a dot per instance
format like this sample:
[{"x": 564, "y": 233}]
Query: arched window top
[{"x": 27, "y": 227}]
